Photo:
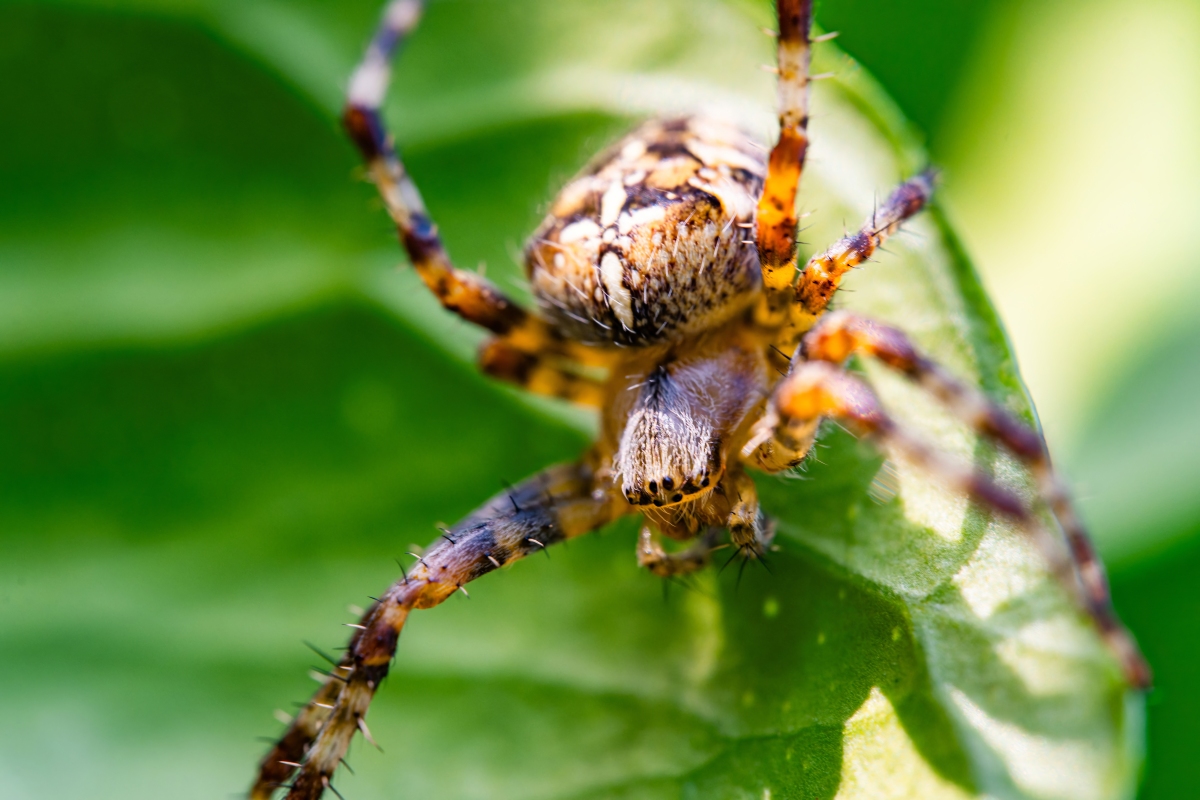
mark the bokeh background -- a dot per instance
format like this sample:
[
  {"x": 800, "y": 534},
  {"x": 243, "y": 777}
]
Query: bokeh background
[{"x": 181, "y": 246}]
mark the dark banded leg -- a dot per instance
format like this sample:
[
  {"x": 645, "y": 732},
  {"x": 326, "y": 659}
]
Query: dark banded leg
[
  {"x": 824, "y": 272},
  {"x": 546, "y": 373},
  {"x": 465, "y": 293},
  {"x": 816, "y": 389},
  {"x": 749, "y": 529},
  {"x": 652, "y": 556},
  {"x": 555, "y": 505},
  {"x": 842, "y": 334},
  {"x": 772, "y": 454},
  {"x": 776, "y": 215},
  {"x": 732, "y": 506}
]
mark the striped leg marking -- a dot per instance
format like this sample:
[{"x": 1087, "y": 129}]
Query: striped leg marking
[
  {"x": 546, "y": 373},
  {"x": 815, "y": 390},
  {"x": 652, "y": 556},
  {"x": 557, "y": 504},
  {"x": 776, "y": 215},
  {"x": 465, "y": 293},
  {"x": 749, "y": 529},
  {"x": 841, "y": 335},
  {"x": 824, "y": 272}
]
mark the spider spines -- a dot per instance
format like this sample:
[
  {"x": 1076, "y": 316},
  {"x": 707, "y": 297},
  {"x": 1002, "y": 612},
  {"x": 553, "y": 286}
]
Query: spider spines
[
  {"x": 320, "y": 675},
  {"x": 730, "y": 560},
  {"x": 366, "y": 732},
  {"x": 511, "y": 496},
  {"x": 822, "y": 276},
  {"x": 320, "y": 652},
  {"x": 818, "y": 387},
  {"x": 741, "y": 570},
  {"x": 776, "y": 217}
]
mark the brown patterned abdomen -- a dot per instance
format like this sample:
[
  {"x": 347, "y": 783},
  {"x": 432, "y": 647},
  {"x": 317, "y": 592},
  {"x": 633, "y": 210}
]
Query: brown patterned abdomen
[{"x": 655, "y": 239}]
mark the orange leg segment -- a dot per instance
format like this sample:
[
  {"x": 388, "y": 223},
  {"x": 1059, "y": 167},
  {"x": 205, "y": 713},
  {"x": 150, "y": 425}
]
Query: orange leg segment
[
  {"x": 558, "y": 504},
  {"x": 840, "y": 335},
  {"x": 776, "y": 216}
]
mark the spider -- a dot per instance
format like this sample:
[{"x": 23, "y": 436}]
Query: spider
[{"x": 670, "y": 301}]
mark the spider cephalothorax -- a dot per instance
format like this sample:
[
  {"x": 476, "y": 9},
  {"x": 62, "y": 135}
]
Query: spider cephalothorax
[{"x": 669, "y": 300}]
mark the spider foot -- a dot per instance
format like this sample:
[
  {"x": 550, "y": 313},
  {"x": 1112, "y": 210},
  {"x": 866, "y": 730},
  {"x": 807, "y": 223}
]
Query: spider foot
[{"x": 652, "y": 556}]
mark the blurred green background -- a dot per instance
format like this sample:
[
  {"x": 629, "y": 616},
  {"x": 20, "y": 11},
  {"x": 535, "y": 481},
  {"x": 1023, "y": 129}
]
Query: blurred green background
[{"x": 181, "y": 245}]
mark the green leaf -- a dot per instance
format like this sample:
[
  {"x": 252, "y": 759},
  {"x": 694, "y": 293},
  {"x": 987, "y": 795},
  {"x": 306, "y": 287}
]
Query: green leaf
[{"x": 224, "y": 414}]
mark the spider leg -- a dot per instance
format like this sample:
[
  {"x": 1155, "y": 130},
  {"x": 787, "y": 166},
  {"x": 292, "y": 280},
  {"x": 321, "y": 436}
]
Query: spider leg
[
  {"x": 842, "y": 334},
  {"x": 824, "y": 272},
  {"x": 652, "y": 556},
  {"x": 817, "y": 389},
  {"x": 560, "y": 503},
  {"x": 749, "y": 529},
  {"x": 548, "y": 373},
  {"x": 465, "y": 293},
  {"x": 776, "y": 215},
  {"x": 733, "y": 505}
]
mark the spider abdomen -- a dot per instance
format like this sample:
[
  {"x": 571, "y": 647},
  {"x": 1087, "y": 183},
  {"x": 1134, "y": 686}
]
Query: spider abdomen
[{"x": 655, "y": 240}]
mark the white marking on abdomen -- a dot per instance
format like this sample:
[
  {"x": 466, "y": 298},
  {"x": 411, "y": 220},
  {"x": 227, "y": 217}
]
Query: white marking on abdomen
[{"x": 612, "y": 273}]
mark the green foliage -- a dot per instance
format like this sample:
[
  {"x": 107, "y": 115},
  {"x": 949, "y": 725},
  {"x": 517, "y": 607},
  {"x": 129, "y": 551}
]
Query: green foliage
[{"x": 224, "y": 412}]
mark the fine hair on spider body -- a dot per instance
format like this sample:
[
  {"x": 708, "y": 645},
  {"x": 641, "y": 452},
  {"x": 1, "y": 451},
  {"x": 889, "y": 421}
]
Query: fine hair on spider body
[{"x": 669, "y": 299}]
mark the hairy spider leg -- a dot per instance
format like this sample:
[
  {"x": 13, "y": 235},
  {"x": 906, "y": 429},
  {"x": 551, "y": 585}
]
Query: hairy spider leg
[
  {"x": 776, "y": 214},
  {"x": 559, "y": 503},
  {"x": 816, "y": 390},
  {"x": 841, "y": 334},
  {"x": 749, "y": 529},
  {"x": 824, "y": 272},
  {"x": 541, "y": 374},
  {"x": 732, "y": 506},
  {"x": 652, "y": 556},
  {"x": 465, "y": 293}
]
